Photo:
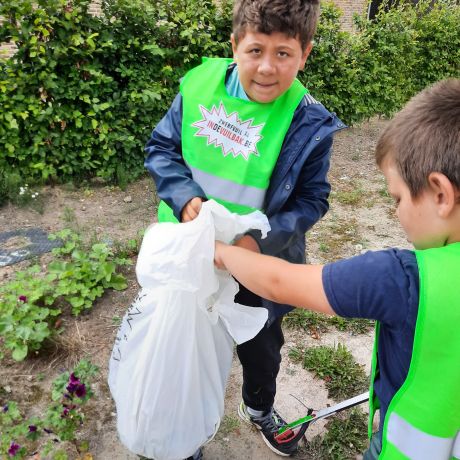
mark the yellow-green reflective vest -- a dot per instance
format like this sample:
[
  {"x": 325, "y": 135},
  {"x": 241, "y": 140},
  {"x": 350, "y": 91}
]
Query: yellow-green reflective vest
[
  {"x": 229, "y": 144},
  {"x": 423, "y": 419}
]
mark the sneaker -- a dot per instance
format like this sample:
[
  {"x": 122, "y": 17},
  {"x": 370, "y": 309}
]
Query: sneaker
[{"x": 268, "y": 424}]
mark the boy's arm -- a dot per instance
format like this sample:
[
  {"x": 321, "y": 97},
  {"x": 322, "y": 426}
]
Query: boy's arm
[
  {"x": 275, "y": 279},
  {"x": 164, "y": 161}
]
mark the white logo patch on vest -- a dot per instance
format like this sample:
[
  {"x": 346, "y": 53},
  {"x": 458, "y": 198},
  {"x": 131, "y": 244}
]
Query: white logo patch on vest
[{"x": 228, "y": 132}]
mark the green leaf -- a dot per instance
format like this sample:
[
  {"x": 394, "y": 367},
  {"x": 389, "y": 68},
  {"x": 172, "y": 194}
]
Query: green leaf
[{"x": 20, "y": 352}]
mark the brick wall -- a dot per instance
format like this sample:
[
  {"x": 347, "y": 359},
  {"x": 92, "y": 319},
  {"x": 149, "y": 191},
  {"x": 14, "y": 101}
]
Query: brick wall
[
  {"x": 349, "y": 8},
  {"x": 95, "y": 8}
]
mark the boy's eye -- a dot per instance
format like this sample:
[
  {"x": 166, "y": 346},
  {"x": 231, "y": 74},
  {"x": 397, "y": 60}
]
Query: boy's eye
[
  {"x": 255, "y": 51},
  {"x": 283, "y": 54}
]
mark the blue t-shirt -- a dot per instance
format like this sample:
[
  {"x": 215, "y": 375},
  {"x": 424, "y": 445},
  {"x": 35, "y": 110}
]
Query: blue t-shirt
[
  {"x": 384, "y": 286},
  {"x": 234, "y": 86}
]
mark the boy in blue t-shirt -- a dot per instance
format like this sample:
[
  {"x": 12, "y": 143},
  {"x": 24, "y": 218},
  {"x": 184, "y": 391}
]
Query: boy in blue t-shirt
[
  {"x": 413, "y": 295},
  {"x": 247, "y": 134}
]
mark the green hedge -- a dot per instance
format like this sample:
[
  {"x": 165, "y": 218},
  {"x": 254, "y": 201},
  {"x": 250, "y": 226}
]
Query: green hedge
[
  {"x": 81, "y": 95},
  {"x": 388, "y": 60}
]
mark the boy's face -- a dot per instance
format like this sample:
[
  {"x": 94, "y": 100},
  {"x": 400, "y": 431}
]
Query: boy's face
[
  {"x": 268, "y": 64},
  {"x": 418, "y": 216}
]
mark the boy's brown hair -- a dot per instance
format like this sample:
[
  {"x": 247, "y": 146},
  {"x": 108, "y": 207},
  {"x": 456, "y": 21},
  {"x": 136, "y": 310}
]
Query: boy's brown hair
[
  {"x": 424, "y": 137},
  {"x": 295, "y": 18}
]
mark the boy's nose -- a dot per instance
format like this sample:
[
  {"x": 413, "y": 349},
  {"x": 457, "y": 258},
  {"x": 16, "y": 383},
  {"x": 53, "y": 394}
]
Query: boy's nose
[{"x": 266, "y": 66}]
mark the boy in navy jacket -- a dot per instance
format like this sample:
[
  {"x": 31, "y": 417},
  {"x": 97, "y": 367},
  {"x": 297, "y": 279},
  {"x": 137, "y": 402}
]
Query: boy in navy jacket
[{"x": 247, "y": 134}]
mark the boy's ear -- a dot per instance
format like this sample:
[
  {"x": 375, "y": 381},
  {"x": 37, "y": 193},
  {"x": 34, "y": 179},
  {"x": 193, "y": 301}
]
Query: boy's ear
[
  {"x": 305, "y": 55},
  {"x": 234, "y": 46},
  {"x": 446, "y": 196}
]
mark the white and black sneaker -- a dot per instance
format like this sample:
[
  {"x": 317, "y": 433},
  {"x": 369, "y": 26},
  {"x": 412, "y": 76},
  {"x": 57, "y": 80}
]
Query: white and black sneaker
[{"x": 268, "y": 424}]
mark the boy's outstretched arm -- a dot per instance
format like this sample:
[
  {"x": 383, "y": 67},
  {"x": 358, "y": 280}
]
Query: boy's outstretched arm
[{"x": 275, "y": 279}]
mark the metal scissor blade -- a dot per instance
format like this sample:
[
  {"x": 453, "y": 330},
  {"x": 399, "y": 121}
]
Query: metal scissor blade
[{"x": 326, "y": 412}]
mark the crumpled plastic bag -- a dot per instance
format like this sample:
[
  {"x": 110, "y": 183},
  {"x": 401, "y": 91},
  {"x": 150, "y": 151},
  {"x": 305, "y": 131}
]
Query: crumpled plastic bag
[{"x": 173, "y": 351}]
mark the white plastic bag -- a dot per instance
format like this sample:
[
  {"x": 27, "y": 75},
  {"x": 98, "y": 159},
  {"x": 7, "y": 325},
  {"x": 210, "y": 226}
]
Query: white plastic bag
[{"x": 173, "y": 351}]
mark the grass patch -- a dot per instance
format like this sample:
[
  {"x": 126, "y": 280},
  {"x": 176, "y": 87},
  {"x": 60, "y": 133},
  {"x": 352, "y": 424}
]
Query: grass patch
[
  {"x": 228, "y": 425},
  {"x": 315, "y": 323},
  {"x": 343, "y": 376},
  {"x": 334, "y": 235},
  {"x": 345, "y": 438},
  {"x": 350, "y": 194}
]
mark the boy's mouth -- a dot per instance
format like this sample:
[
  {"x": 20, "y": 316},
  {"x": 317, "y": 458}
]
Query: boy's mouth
[{"x": 264, "y": 85}]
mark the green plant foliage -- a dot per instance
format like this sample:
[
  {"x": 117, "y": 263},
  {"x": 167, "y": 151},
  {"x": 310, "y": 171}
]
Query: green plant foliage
[
  {"x": 344, "y": 378},
  {"x": 83, "y": 275},
  {"x": 31, "y": 303},
  {"x": 377, "y": 69},
  {"x": 21, "y": 437},
  {"x": 82, "y": 93},
  {"x": 346, "y": 436},
  {"x": 314, "y": 323}
]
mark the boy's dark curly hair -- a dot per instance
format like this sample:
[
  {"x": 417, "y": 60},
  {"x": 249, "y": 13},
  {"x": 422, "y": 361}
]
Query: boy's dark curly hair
[{"x": 295, "y": 18}]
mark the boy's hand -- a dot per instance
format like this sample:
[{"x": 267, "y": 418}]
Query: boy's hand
[
  {"x": 218, "y": 258},
  {"x": 191, "y": 210},
  {"x": 247, "y": 242}
]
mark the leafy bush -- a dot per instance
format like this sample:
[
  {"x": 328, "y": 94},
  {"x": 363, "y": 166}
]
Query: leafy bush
[
  {"x": 376, "y": 70},
  {"x": 82, "y": 93},
  {"x": 31, "y": 303}
]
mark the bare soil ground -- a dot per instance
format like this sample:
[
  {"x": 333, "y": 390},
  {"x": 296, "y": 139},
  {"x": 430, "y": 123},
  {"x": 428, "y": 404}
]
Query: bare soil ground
[{"x": 360, "y": 218}]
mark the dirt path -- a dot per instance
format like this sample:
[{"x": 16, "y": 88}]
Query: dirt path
[{"x": 360, "y": 219}]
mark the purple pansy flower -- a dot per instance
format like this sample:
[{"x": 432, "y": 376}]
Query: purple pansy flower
[
  {"x": 81, "y": 390},
  {"x": 75, "y": 386},
  {"x": 5, "y": 408},
  {"x": 74, "y": 382},
  {"x": 32, "y": 428},
  {"x": 13, "y": 450},
  {"x": 22, "y": 298}
]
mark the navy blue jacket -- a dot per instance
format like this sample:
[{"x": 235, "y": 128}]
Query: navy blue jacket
[{"x": 297, "y": 196}]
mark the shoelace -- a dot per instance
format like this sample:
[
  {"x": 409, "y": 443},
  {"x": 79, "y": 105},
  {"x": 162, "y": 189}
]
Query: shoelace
[{"x": 272, "y": 421}]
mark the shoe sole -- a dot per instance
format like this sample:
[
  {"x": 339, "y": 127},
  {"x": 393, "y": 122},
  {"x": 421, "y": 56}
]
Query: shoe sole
[{"x": 246, "y": 419}]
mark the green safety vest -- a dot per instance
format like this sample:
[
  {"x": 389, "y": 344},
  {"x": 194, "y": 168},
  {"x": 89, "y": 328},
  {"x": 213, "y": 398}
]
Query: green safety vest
[
  {"x": 229, "y": 144},
  {"x": 423, "y": 418}
]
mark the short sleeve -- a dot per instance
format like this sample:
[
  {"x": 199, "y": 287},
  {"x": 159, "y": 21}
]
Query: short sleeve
[{"x": 378, "y": 285}]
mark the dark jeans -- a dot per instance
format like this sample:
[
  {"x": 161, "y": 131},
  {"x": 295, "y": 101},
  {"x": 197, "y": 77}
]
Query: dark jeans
[
  {"x": 375, "y": 447},
  {"x": 260, "y": 358}
]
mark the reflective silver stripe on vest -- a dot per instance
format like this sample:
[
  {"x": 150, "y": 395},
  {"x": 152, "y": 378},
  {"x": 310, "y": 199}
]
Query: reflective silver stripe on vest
[
  {"x": 227, "y": 190},
  {"x": 456, "y": 449},
  {"x": 416, "y": 444}
]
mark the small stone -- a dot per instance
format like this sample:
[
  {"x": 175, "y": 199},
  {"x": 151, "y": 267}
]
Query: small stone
[
  {"x": 127, "y": 199},
  {"x": 83, "y": 208},
  {"x": 7, "y": 389}
]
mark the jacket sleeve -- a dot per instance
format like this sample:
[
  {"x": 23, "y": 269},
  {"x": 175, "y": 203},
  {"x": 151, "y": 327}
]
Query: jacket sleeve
[
  {"x": 307, "y": 202},
  {"x": 165, "y": 163}
]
